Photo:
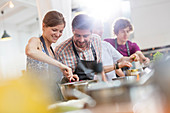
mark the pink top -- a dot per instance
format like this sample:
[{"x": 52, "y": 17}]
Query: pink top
[{"x": 133, "y": 47}]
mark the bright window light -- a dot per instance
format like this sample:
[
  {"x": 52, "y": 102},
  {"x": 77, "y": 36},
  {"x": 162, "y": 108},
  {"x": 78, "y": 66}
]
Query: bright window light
[
  {"x": 11, "y": 5},
  {"x": 104, "y": 9},
  {"x": 125, "y": 7}
]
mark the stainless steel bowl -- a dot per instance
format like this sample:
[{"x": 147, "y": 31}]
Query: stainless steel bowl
[
  {"x": 110, "y": 92},
  {"x": 127, "y": 79},
  {"x": 67, "y": 88}
]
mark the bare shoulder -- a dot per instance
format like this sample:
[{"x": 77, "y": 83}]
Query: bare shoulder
[
  {"x": 34, "y": 42},
  {"x": 34, "y": 39}
]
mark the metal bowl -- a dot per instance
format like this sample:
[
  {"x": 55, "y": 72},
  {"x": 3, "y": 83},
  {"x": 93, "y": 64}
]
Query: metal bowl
[
  {"x": 67, "y": 88},
  {"x": 127, "y": 79},
  {"x": 110, "y": 92}
]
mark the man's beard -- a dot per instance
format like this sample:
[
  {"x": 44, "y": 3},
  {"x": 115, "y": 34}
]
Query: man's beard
[{"x": 84, "y": 44}]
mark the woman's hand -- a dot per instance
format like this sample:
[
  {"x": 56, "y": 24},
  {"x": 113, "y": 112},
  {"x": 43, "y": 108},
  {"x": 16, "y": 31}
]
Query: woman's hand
[
  {"x": 68, "y": 73},
  {"x": 74, "y": 78}
]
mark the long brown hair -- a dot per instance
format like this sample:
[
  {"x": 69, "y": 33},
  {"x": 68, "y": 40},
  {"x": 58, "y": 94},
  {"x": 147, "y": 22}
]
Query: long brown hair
[{"x": 53, "y": 18}]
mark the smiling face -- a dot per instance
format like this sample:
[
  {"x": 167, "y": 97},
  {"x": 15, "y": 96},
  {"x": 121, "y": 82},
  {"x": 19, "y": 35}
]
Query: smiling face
[
  {"x": 81, "y": 38},
  {"x": 122, "y": 29},
  {"x": 123, "y": 34},
  {"x": 52, "y": 34}
]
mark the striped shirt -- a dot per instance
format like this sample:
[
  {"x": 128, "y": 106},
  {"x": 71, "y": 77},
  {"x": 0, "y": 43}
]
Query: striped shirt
[{"x": 65, "y": 54}]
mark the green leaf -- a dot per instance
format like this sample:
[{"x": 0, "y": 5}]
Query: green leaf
[{"x": 157, "y": 56}]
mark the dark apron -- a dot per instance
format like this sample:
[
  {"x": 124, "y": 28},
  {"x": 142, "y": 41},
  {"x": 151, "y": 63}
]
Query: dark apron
[
  {"x": 85, "y": 69},
  {"x": 45, "y": 48},
  {"x": 54, "y": 86},
  {"x": 127, "y": 46},
  {"x": 128, "y": 51}
]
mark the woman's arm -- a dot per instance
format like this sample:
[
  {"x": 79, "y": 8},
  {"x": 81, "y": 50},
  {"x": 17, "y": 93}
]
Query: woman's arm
[{"x": 34, "y": 50}]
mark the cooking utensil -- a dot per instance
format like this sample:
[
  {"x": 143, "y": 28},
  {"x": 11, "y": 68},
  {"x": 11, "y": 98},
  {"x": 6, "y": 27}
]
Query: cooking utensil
[{"x": 67, "y": 88}]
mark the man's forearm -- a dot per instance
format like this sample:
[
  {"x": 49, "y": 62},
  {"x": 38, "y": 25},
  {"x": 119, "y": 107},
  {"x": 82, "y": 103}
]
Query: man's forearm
[
  {"x": 140, "y": 54},
  {"x": 109, "y": 68},
  {"x": 143, "y": 59},
  {"x": 103, "y": 76},
  {"x": 120, "y": 73},
  {"x": 124, "y": 59}
]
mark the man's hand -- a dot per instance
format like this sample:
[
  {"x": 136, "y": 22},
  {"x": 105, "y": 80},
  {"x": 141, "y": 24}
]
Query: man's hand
[
  {"x": 134, "y": 57},
  {"x": 145, "y": 60},
  {"x": 124, "y": 64}
]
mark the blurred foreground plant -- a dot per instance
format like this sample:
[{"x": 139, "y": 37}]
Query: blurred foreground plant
[{"x": 23, "y": 95}]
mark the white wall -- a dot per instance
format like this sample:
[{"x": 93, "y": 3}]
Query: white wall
[
  {"x": 151, "y": 19},
  {"x": 12, "y": 52}
]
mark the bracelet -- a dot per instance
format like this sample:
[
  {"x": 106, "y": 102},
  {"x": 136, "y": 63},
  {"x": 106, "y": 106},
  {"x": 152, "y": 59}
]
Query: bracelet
[{"x": 117, "y": 66}]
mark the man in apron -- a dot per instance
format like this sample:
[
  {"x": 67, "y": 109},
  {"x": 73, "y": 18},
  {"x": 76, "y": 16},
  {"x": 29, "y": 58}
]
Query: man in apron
[
  {"x": 111, "y": 58},
  {"x": 82, "y": 51},
  {"x": 122, "y": 29}
]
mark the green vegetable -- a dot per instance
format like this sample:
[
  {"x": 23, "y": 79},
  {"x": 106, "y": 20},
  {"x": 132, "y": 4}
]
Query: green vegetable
[{"x": 157, "y": 56}]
